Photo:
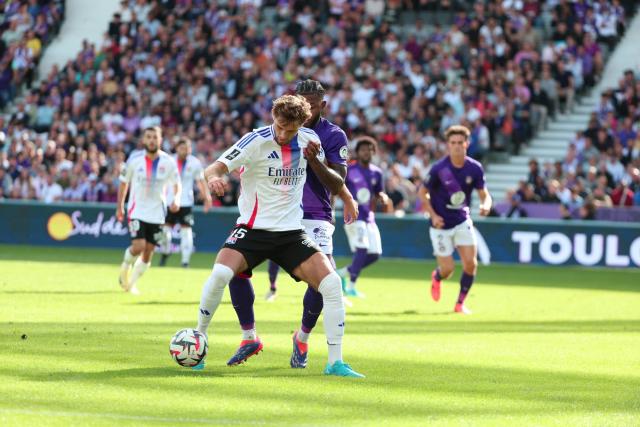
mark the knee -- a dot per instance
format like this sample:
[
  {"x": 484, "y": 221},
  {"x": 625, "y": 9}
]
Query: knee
[
  {"x": 220, "y": 276},
  {"x": 470, "y": 266},
  {"x": 331, "y": 287},
  {"x": 137, "y": 247}
]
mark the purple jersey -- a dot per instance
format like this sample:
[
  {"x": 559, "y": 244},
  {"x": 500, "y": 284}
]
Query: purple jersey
[
  {"x": 316, "y": 199},
  {"x": 450, "y": 189},
  {"x": 363, "y": 183}
]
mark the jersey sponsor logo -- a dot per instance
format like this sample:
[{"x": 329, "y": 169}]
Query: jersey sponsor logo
[
  {"x": 344, "y": 152},
  {"x": 233, "y": 154},
  {"x": 273, "y": 155},
  {"x": 363, "y": 196},
  {"x": 457, "y": 200},
  {"x": 468, "y": 180},
  {"x": 286, "y": 176}
]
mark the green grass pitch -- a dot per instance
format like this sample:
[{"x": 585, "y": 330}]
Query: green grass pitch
[{"x": 544, "y": 347}]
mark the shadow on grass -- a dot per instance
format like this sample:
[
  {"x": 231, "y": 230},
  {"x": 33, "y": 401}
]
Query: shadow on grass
[{"x": 535, "y": 391}]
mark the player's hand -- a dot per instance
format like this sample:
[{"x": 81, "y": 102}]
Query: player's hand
[
  {"x": 350, "y": 211},
  {"x": 484, "y": 211},
  {"x": 312, "y": 150},
  {"x": 120, "y": 213},
  {"x": 174, "y": 207},
  {"x": 437, "y": 221},
  {"x": 207, "y": 204},
  {"x": 216, "y": 184}
]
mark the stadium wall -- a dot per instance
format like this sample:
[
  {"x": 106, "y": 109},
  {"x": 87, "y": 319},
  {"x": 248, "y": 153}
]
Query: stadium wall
[{"x": 547, "y": 242}]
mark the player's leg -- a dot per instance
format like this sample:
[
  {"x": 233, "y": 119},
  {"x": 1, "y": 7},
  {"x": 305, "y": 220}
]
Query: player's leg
[
  {"x": 465, "y": 241},
  {"x": 358, "y": 238},
  {"x": 242, "y": 298},
  {"x": 318, "y": 272},
  {"x": 442, "y": 244},
  {"x": 186, "y": 235},
  {"x": 141, "y": 265},
  {"x": 165, "y": 246},
  {"x": 273, "y": 276},
  {"x": 186, "y": 244},
  {"x": 227, "y": 264},
  {"x": 131, "y": 253}
]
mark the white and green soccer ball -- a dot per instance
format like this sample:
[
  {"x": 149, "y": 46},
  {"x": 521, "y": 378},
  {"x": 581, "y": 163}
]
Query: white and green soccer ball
[{"x": 188, "y": 347}]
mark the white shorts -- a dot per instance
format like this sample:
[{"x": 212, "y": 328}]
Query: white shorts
[
  {"x": 320, "y": 232},
  {"x": 444, "y": 241},
  {"x": 364, "y": 235}
]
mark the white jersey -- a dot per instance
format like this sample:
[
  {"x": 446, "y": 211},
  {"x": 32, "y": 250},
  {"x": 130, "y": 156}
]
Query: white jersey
[
  {"x": 190, "y": 171},
  {"x": 148, "y": 180},
  {"x": 272, "y": 178}
]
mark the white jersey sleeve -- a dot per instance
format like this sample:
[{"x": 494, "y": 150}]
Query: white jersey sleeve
[
  {"x": 241, "y": 152},
  {"x": 126, "y": 173}
]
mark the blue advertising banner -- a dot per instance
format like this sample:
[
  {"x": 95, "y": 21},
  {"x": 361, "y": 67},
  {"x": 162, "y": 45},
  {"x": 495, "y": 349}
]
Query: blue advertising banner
[{"x": 525, "y": 241}]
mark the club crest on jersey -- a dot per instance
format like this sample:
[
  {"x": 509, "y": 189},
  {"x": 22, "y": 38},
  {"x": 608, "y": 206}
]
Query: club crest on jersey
[
  {"x": 468, "y": 180},
  {"x": 161, "y": 169},
  {"x": 344, "y": 152}
]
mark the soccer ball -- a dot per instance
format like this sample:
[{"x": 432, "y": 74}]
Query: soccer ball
[{"x": 188, "y": 347}]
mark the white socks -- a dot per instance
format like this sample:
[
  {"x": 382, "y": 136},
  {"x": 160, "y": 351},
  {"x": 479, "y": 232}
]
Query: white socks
[
  {"x": 138, "y": 270},
  {"x": 186, "y": 243},
  {"x": 249, "y": 334},
  {"x": 212, "y": 293},
  {"x": 128, "y": 257},
  {"x": 333, "y": 314},
  {"x": 165, "y": 247},
  {"x": 302, "y": 336}
]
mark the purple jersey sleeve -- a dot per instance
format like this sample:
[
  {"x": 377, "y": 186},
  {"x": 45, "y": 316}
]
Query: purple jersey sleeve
[{"x": 335, "y": 148}]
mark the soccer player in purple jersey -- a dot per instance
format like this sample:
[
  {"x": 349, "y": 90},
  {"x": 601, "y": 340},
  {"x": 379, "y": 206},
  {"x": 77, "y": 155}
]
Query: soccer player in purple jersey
[
  {"x": 322, "y": 181},
  {"x": 364, "y": 181},
  {"x": 446, "y": 195}
]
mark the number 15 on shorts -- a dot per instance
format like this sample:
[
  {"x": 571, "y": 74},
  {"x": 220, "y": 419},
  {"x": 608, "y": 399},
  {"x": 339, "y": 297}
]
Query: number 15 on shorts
[{"x": 236, "y": 234}]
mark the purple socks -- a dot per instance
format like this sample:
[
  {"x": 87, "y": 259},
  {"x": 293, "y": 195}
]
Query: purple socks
[
  {"x": 465, "y": 284},
  {"x": 242, "y": 298},
  {"x": 361, "y": 259}
]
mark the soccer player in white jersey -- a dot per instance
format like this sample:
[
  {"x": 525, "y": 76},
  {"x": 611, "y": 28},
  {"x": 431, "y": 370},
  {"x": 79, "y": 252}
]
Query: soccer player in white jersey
[
  {"x": 147, "y": 176},
  {"x": 190, "y": 171},
  {"x": 274, "y": 162}
]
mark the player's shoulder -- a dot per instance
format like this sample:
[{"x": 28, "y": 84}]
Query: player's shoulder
[
  {"x": 375, "y": 168},
  {"x": 264, "y": 132},
  {"x": 255, "y": 137},
  {"x": 135, "y": 155},
  {"x": 308, "y": 133},
  {"x": 440, "y": 163},
  {"x": 473, "y": 163},
  {"x": 331, "y": 127}
]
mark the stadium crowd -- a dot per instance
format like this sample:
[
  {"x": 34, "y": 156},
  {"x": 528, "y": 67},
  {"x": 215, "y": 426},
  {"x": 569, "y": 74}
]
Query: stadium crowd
[
  {"x": 209, "y": 70},
  {"x": 602, "y": 164},
  {"x": 26, "y": 27}
]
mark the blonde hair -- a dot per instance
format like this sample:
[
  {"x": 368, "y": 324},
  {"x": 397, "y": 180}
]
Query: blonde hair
[
  {"x": 291, "y": 109},
  {"x": 457, "y": 130}
]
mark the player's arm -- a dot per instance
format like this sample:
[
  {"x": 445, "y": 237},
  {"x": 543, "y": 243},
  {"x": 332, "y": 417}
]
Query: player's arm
[
  {"x": 485, "y": 201},
  {"x": 214, "y": 175},
  {"x": 206, "y": 195},
  {"x": 350, "y": 206},
  {"x": 425, "y": 197},
  {"x": 383, "y": 198},
  {"x": 125, "y": 177},
  {"x": 331, "y": 176},
  {"x": 122, "y": 194}
]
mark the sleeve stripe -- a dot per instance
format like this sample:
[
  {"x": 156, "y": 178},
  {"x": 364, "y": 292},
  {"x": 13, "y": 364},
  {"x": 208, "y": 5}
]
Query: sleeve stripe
[
  {"x": 245, "y": 141},
  {"x": 266, "y": 132}
]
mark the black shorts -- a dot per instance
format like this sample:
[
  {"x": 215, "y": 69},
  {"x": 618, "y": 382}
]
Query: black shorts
[
  {"x": 183, "y": 217},
  {"x": 152, "y": 233},
  {"x": 288, "y": 249}
]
